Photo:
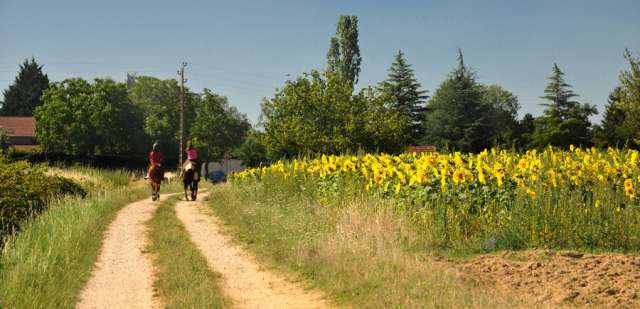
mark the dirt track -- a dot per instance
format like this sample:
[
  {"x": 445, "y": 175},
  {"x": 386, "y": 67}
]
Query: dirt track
[
  {"x": 123, "y": 276},
  {"x": 245, "y": 282}
]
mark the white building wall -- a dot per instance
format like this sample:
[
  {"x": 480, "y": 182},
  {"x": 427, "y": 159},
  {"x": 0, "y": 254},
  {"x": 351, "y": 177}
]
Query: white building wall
[{"x": 225, "y": 165}]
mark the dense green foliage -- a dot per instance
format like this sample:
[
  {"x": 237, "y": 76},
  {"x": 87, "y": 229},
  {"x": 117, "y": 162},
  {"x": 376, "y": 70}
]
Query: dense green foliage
[
  {"x": 82, "y": 118},
  {"x": 252, "y": 151},
  {"x": 25, "y": 191},
  {"x": 629, "y": 101},
  {"x": 317, "y": 113},
  {"x": 456, "y": 115},
  {"x": 403, "y": 91},
  {"x": 111, "y": 118},
  {"x": 503, "y": 109},
  {"x": 24, "y": 95},
  {"x": 610, "y": 131},
  {"x": 343, "y": 56},
  {"x": 217, "y": 128},
  {"x": 158, "y": 100},
  {"x": 565, "y": 121},
  {"x": 5, "y": 147}
]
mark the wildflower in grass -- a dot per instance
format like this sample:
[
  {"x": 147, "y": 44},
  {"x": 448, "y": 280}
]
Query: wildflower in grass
[
  {"x": 531, "y": 193},
  {"x": 628, "y": 189},
  {"x": 379, "y": 178}
]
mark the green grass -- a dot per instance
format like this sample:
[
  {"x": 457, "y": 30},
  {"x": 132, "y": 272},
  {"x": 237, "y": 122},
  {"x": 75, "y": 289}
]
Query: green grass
[
  {"x": 183, "y": 280},
  {"x": 362, "y": 254},
  {"x": 48, "y": 263}
]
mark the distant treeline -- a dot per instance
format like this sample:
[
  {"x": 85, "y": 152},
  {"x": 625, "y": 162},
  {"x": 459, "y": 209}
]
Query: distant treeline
[{"x": 320, "y": 112}]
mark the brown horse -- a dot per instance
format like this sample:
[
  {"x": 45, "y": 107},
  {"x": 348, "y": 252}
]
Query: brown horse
[{"x": 156, "y": 175}]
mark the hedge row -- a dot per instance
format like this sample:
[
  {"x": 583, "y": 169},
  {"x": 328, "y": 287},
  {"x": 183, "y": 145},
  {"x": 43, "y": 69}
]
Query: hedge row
[{"x": 25, "y": 191}]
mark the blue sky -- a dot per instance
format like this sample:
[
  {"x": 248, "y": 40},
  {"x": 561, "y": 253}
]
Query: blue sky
[{"x": 245, "y": 49}]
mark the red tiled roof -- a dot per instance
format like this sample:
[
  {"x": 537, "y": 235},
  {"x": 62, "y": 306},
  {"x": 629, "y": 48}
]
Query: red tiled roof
[{"x": 19, "y": 126}]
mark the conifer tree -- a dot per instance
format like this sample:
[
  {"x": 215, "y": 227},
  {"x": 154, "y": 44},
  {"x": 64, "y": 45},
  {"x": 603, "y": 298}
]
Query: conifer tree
[
  {"x": 565, "y": 121},
  {"x": 22, "y": 98},
  {"x": 404, "y": 95},
  {"x": 456, "y": 116},
  {"x": 610, "y": 132}
]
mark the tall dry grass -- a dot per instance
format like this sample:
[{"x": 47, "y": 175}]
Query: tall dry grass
[{"x": 362, "y": 254}]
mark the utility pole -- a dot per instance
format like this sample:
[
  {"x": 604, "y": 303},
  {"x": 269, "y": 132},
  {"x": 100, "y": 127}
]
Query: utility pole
[{"x": 182, "y": 107}]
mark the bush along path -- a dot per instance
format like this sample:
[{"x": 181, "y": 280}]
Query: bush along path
[
  {"x": 123, "y": 276},
  {"x": 244, "y": 281}
]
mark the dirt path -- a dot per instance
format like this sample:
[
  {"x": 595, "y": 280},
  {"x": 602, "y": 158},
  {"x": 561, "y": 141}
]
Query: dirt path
[
  {"x": 123, "y": 276},
  {"x": 245, "y": 282}
]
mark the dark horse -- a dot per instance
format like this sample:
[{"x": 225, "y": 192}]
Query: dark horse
[
  {"x": 156, "y": 174},
  {"x": 190, "y": 180}
]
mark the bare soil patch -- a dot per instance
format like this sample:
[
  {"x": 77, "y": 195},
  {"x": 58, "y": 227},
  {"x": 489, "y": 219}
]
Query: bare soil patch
[
  {"x": 247, "y": 283},
  {"x": 123, "y": 276},
  {"x": 550, "y": 278}
]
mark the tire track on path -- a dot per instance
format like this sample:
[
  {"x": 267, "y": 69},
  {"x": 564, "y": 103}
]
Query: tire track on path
[
  {"x": 245, "y": 282},
  {"x": 123, "y": 274}
]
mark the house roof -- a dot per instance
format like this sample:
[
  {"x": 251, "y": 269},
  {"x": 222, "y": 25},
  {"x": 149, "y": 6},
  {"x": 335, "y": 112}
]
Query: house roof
[{"x": 19, "y": 126}]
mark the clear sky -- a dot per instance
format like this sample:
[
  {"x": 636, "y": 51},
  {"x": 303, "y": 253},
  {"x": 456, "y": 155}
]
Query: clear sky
[{"x": 245, "y": 49}]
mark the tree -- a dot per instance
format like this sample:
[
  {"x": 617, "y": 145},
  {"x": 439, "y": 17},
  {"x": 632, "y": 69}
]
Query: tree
[
  {"x": 405, "y": 96},
  {"x": 317, "y": 113},
  {"x": 503, "y": 113},
  {"x": 344, "y": 52},
  {"x": 611, "y": 130},
  {"x": 158, "y": 100},
  {"x": 217, "y": 128},
  {"x": 524, "y": 131},
  {"x": 22, "y": 98},
  {"x": 252, "y": 150},
  {"x": 82, "y": 118},
  {"x": 456, "y": 115},
  {"x": 565, "y": 121},
  {"x": 630, "y": 98},
  {"x": 384, "y": 129}
]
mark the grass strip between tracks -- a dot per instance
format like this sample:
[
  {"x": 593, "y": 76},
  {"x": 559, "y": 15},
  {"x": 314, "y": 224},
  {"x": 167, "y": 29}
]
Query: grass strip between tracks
[{"x": 183, "y": 278}]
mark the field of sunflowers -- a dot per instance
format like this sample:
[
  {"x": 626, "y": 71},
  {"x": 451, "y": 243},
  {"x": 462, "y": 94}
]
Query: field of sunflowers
[{"x": 496, "y": 199}]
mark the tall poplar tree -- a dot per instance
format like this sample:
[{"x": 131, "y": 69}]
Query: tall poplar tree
[
  {"x": 404, "y": 95},
  {"x": 630, "y": 99},
  {"x": 22, "y": 98},
  {"x": 344, "y": 52}
]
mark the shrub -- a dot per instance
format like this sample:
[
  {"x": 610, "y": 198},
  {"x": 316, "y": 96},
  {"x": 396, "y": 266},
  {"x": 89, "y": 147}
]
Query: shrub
[{"x": 25, "y": 191}]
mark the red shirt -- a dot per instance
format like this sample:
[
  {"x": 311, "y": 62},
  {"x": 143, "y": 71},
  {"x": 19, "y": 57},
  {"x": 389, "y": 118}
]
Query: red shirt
[{"x": 155, "y": 157}]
